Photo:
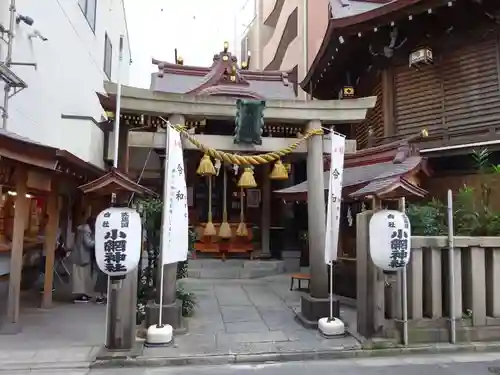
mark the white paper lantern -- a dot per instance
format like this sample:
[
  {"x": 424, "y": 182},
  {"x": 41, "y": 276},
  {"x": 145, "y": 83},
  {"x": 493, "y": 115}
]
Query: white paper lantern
[
  {"x": 390, "y": 237},
  {"x": 118, "y": 236}
]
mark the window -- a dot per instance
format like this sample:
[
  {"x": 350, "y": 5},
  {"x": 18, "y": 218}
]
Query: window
[
  {"x": 89, "y": 8},
  {"x": 244, "y": 49},
  {"x": 108, "y": 56}
]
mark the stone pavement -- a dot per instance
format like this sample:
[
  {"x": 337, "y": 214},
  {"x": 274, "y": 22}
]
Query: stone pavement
[
  {"x": 248, "y": 317},
  {"x": 67, "y": 335},
  {"x": 237, "y": 321}
]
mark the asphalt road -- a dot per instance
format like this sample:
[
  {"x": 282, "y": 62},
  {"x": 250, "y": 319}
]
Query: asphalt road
[{"x": 460, "y": 364}]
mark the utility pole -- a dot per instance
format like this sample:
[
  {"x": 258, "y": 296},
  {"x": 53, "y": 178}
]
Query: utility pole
[
  {"x": 120, "y": 321},
  {"x": 8, "y": 62},
  {"x": 10, "y": 79}
]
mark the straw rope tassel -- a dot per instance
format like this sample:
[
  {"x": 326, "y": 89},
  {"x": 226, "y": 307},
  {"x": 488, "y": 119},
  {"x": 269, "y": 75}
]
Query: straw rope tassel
[
  {"x": 246, "y": 159},
  {"x": 279, "y": 171},
  {"x": 242, "y": 230},
  {"x": 247, "y": 180},
  {"x": 209, "y": 228},
  {"x": 225, "y": 228}
]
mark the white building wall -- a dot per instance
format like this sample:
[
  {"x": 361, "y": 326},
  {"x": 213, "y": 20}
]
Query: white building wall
[
  {"x": 243, "y": 20},
  {"x": 313, "y": 19},
  {"x": 60, "y": 107}
]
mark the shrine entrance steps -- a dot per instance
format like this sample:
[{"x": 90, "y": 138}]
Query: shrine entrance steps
[{"x": 234, "y": 268}]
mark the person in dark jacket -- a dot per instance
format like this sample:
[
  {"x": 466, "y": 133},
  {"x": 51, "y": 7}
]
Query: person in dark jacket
[{"x": 82, "y": 261}]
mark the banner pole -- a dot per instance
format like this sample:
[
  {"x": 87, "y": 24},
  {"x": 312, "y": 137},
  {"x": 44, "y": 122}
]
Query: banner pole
[
  {"x": 332, "y": 326},
  {"x": 404, "y": 291},
  {"x": 165, "y": 219},
  {"x": 331, "y": 290}
]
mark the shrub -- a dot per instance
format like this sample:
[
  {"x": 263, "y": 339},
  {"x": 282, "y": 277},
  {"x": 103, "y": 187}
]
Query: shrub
[
  {"x": 146, "y": 290},
  {"x": 473, "y": 215}
]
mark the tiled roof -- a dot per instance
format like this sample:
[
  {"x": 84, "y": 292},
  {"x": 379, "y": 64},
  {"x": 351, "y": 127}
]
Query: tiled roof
[
  {"x": 113, "y": 182},
  {"x": 180, "y": 79},
  {"x": 375, "y": 170},
  {"x": 18, "y": 137},
  {"x": 354, "y": 7},
  {"x": 28, "y": 151},
  {"x": 369, "y": 16},
  {"x": 387, "y": 186},
  {"x": 363, "y": 174}
]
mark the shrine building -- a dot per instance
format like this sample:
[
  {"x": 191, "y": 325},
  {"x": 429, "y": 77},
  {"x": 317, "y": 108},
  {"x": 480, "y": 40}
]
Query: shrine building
[{"x": 236, "y": 115}]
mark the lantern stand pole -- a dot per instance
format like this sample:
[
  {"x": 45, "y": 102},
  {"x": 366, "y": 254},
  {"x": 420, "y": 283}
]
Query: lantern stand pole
[
  {"x": 451, "y": 266},
  {"x": 113, "y": 341},
  {"x": 404, "y": 289}
]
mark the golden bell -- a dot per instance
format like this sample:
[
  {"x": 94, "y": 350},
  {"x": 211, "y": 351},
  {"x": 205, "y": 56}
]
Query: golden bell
[
  {"x": 206, "y": 167},
  {"x": 210, "y": 229},
  {"x": 424, "y": 133},
  {"x": 279, "y": 171},
  {"x": 247, "y": 180}
]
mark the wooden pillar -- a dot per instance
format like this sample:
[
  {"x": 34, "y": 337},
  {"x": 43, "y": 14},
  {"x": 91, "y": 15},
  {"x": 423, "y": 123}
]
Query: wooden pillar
[
  {"x": 365, "y": 273},
  {"x": 377, "y": 283},
  {"x": 16, "y": 260},
  {"x": 266, "y": 211},
  {"x": 388, "y": 101},
  {"x": 50, "y": 234},
  {"x": 123, "y": 151}
]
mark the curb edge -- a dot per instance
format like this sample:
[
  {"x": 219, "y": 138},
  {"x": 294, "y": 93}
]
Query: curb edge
[{"x": 199, "y": 360}]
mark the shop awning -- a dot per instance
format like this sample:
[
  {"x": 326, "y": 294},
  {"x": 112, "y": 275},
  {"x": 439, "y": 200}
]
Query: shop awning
[{"x": 24, "y": 150}]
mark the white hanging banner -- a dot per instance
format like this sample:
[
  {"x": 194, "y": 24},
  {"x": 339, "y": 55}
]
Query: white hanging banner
[
  {"x": 175, "y": 238},
  {"x": 118, "y": 237},
  {"x": 334, "y": 197}
]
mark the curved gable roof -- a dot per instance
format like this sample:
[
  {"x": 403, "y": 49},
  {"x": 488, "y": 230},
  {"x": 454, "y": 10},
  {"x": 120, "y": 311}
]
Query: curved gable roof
[
  {"x": 343, "y": 26},
  {"x": 225, "y": 77}
]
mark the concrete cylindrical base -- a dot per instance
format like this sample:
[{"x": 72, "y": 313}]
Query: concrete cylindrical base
[
  {"x": 331, "y": 328},
  {"x": 172, "y": 315},
  {"x": 159, "y": 335},
  {"x": 312, "y": 309}
]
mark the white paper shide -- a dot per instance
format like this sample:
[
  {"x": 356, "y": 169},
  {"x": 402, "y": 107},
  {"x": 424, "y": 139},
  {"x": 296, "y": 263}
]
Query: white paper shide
[
  {"x": 175, "y": 238},
  {"x": 390, "y": 237},
  {"x": 118, "y": 236},
  {"x": 334, "y": 197}
]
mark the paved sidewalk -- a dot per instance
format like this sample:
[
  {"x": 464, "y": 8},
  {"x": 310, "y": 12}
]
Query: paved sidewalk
[
  {"x": 248, "y": 317},
  {"x": 66, "y": 336}
]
